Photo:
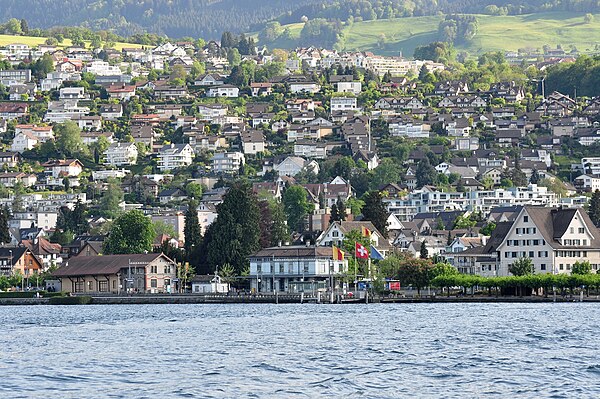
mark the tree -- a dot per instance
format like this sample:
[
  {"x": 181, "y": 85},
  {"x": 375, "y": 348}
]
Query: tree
[
  {"x": 423, "y": 252},
  {"x": 594, "y": 208},
  {"x": 279, "y": 229},
  {"x": 273, "y": 228},
  {"x": 198, "y": 69},
  {"x": 375, "y": 211},
  {"x": 163, "y": 228},
  {"x": 192, "y": 233},
  {"x": 488, "y": 229},
  {"x": 233, "y": 56},
  {"x": 296, "y": 207},
  {"x": 426, "y": 174},
  {"x": 194, "y": 190},
  {"x": 464, "y": 222},
  {"x": 111, "y": 199},
  {"x": 68, "y": 139},
  {"x": 235, "y": 234},
  {"x": 13, "y": 27},
  {"x": 443, "y": 269},
  {"x": 415, "y": 272},
  {"x": 522, "y": 267},
  {"x": 4, "y": 232},
  {"x": 24, "y": 26},
  {"x": 131, "y": 233},
  {"x": 581, "y": 267}
]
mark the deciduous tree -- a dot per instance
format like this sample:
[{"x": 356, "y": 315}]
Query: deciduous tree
[{"x": 131, "y": 233}]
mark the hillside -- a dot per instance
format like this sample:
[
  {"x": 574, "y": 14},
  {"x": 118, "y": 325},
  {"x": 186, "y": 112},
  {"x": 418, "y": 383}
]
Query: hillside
[
  {"x": 174, "y": 18},
  {"x": 494, "y": 33},
  {"x": 33, "y": 41}
]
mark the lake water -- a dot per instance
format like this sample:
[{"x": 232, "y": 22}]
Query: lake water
[{"x": 301, "y": 351}]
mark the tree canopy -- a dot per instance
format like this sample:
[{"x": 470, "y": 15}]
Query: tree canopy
[{"x": 131, "y": 233}]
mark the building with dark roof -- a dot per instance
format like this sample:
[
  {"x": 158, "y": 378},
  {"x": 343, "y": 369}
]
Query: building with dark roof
[
  {"x": 147, "y": 273},
  {"x": 553, "y": 238}
]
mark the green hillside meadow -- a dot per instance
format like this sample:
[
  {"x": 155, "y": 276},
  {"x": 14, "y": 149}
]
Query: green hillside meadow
[{"x": 495, "y": 33}]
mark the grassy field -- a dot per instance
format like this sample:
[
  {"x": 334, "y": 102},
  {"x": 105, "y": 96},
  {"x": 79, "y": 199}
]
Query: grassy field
[
  {"x": 36, "y": 41},
  {"x": 495, "y": 33}
]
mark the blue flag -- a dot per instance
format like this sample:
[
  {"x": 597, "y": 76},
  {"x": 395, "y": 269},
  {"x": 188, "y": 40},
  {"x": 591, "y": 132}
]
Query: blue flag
[{"x": 375, "y": 254}]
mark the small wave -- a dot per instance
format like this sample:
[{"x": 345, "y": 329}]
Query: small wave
[{"x": 269, "y": 367}]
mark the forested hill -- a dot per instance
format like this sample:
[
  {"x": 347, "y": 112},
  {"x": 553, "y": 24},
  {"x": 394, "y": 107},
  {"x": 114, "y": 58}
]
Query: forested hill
[
  {"x": 174, "y": 18},
  {"x": 209, "y": 18}
]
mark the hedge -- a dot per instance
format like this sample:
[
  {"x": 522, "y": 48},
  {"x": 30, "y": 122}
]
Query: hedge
[
  {"x": 71, "y": 300},
  {"x": 533, "y": 281}
]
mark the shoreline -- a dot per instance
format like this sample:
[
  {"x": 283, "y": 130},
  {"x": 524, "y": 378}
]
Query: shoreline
[{"x": 276, "y": 299}]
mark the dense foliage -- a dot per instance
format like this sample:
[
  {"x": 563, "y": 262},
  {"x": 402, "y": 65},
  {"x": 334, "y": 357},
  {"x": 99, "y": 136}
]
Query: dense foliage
[
  {"x": 583, "y": 76},
  {"x": 208, "y": 18}
]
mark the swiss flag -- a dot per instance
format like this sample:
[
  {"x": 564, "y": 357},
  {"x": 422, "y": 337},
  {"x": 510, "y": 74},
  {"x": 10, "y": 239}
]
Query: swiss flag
[{"x": 361, "y": 251}]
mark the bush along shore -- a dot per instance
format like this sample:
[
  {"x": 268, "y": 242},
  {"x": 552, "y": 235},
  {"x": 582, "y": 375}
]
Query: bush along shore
[{"x": 519, "y": 285}]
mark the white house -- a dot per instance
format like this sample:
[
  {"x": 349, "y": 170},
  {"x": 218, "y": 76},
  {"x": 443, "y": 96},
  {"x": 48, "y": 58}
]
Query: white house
[
  {"x": 335, "y": 233},
  {"x": 295, "y": 269},
  {"x": 409, "y": 128},
  {"x": 209, "y": 284},
  {"x": 253, "y": 142},
  {"x": 72, "y": 93},
  {"x": 223, "y": 91},
  {"x": 121, "y": 154},
  {"x": 306, "y": 87},
  {"x": 173, "y": 156},
  {"x": 23, "y": 141},
  {"x": 227, "y": 162},
  {"x": 343, "y": 104},
  {"x": 587, "y": 183},
  {"x": 63, "y": 167},
  {"x": 291, "y": 166}
]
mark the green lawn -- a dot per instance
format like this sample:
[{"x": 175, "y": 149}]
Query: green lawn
[
  {"x": 495, "y": 33},
  {"x": 36, "y": 41}
]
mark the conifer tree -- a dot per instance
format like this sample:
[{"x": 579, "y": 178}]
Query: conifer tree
[
  {"x": 192, "y": 233},
  {"x": 594, "y": 208},
  {"x": 374, "y": 211}
]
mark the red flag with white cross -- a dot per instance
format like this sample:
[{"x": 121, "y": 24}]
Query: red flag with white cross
[{"x": 361, "y": 251}]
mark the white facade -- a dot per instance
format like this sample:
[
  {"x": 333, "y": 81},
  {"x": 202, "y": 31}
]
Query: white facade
[
  {"x": 227, "y": 162},
  {"x": 223, "y": 91},
  {"x": 102, "y": 68},
  {"x": 306, "y": 87},
  {"x": 413, "y": 130},
  {"x": 343, "y": 104},
  {"x": 121, "y": 154},
  {"x": 349, "y": 87},
  {"x": 175, "y": 156}
]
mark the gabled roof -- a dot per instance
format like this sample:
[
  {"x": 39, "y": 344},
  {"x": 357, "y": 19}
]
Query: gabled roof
[{"x": 103, "y": 265}]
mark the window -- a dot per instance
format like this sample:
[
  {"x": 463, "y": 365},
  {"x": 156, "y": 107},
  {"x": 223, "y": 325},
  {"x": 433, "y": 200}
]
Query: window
[
  {"x": 89, "y": 285},
  {"x": 526, "y": 219},
  {"x": 306, "y": 267},
  {"x": 543, "y": 266},
  {"x": 259, "y": 268},
  {"x": 153, "y": 283},
  {"x": 114, "y": 284},
  {"x": 281, "y": 268},
  {"x": 572, "y": 230},
  {"x": 531, "y": 254},
  {"x": 103, "y": 286},
  {"x": 581, "y": 230},
  {"x": 561, "y": 267},
  {"x": 78, "y": 286}
]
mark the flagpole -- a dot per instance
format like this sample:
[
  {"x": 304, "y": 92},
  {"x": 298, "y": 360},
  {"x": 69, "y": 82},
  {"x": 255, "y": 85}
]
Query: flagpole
[{"x": 355, "y": 271}]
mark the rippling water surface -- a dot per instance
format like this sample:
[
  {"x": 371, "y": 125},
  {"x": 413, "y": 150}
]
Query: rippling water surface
[{"x": 301, "y": 351}]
